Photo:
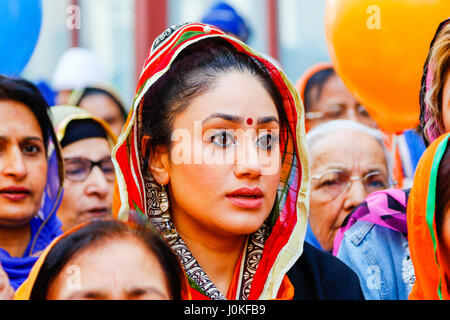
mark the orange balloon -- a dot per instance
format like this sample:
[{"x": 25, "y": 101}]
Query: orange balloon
[{"x": 378, "y": 48}]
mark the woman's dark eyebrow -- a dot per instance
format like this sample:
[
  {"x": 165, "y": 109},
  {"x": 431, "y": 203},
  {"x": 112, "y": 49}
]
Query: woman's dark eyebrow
[
  {"x": 83, "y": 294},
  {"x": 237, "y": 119},
  {"x": 33, "y": 139},
  {"x": 143, "y": 290},
  {"x": 224, "y": 116},
  {"x": 265, "y": 120},
  {"x": 374, "y": 169}
]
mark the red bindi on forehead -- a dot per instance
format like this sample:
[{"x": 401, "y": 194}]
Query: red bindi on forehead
[{"x": 249, "y": 121}]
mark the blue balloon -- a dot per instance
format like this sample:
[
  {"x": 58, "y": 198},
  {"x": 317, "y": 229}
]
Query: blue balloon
[{"x": 20, "y": 25}]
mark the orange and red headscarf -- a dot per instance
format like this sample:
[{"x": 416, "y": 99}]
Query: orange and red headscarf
[{"x": 283, "y": 246}]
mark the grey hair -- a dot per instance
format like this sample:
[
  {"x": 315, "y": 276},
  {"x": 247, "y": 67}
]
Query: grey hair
[{"x": 335, "y": 126}]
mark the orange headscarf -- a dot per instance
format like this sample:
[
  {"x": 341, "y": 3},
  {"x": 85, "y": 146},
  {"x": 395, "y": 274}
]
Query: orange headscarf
[
  {"x": 24, "y": 291},
  {"x": 301, "y": 83},
  {"x": 422, "y": 236}
]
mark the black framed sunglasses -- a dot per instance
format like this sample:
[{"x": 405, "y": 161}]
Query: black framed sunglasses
[{"x": 78, "y": 169}]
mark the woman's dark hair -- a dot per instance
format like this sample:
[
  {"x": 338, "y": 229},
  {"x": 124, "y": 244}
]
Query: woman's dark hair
[
  {"x": 442, "y": 190},
  {"x": 91, "y": 91},
  {"x": 25, "y": 92},
  {"x": 194, "y": 72},
  {"x": 101, "y": 231},
  {"x": 316, "y": 81}
]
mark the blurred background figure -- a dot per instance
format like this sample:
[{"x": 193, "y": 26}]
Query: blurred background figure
[
  {"x": 114, "y": 261},
  {"x": 30, "y": 178},
  {"x": 86, "y": 143},
  {"x": 225, "y": 17},
  {"x": 77, "y": 68},
  {"x": 47, "y": 92},
  {"x": 325, "y": 97},
  {"x": 103, "y": 102},
  {"x": 348, "y": 162}
]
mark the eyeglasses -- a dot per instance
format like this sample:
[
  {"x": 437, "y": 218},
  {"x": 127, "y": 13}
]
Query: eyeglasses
[
  {"x": 334, "y": 182},
  {"x": 78, "y": 169},
  {"x": 336, "y": 111}
]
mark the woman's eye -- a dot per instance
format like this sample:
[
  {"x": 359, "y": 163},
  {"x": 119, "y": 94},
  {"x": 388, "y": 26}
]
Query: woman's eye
[
  {"x": 362, "y": 111},
  {"x": 330, "y": 182},
  {"x": 31, "y": 149},
  {"x": 74, "y": 170},
  {"x": 334, "y": 112},
  {"x": 223, "y": 139},
  {"x": 266, "y": 142},
  {"x": 377, "y": 184}
]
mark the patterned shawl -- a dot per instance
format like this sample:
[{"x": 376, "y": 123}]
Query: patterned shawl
[
  {"x": 422, "y": 236},
  {"x": 275, "y": 247}
]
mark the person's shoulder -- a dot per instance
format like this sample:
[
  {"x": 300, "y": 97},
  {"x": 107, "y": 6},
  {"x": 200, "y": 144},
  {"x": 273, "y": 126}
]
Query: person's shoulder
[
  {"x": 319, "y": 275},
  {"x": 359, "y": 232},
  {"x": 324, "y": 262}
]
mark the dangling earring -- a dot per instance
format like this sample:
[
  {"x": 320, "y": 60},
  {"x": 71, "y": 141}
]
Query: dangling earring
[
  {"x": 168, "y": 228},
  {"x": 164, "y": 204}
]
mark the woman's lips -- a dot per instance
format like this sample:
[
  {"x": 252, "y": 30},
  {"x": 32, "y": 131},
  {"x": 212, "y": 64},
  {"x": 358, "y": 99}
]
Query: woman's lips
[
  {"x": 246, "y": 198},
  {"x": 14, "y": 193},
  {"x": 98, "y": 212}
]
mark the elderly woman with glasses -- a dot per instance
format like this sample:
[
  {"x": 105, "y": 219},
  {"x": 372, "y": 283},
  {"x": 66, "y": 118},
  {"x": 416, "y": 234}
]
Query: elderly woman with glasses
[
  {"x": 373, "y": 239},
  {"x": 348, "y": 162},
  {"x": 87, "y": 144},
  {"x": 351, "y": 192}
]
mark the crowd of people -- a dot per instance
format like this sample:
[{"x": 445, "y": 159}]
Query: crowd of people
[{"x": 223, "y": 181}]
